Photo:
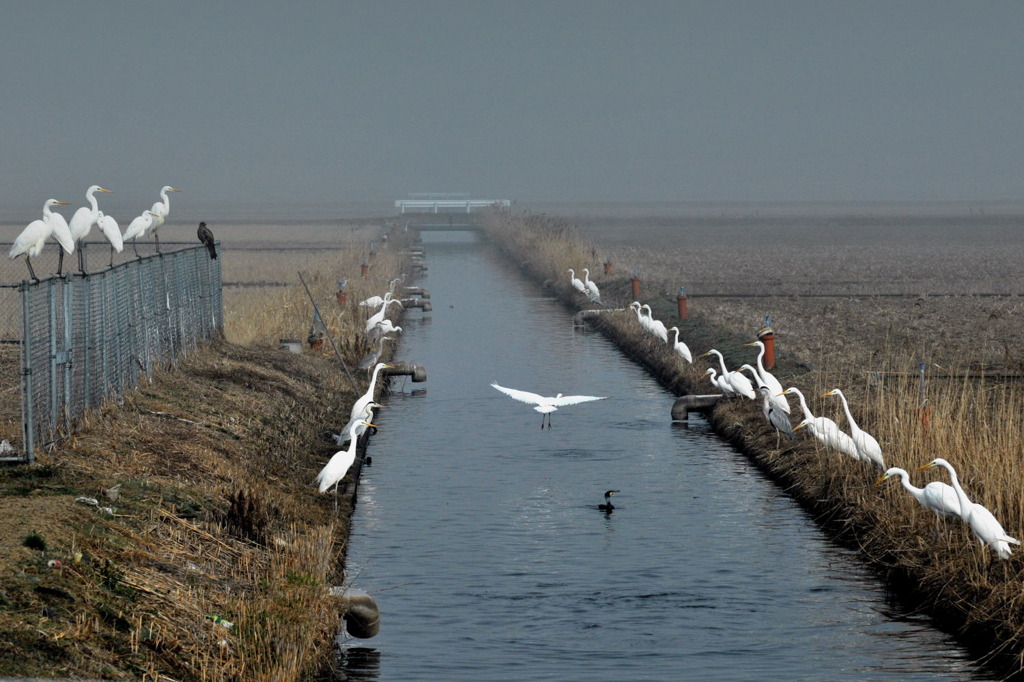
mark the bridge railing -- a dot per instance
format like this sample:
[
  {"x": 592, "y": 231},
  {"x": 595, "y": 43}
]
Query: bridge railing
[{"x": 88, "y": 338}]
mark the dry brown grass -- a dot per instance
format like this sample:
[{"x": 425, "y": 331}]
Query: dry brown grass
[
  {"x": 217, "y": 514},
  {"x": 869, "y": 346}
]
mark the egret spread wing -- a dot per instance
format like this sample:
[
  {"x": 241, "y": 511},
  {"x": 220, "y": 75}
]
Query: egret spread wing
[
  {"x": 561, "y": 400},
  {"x": 522, "y": 396}
]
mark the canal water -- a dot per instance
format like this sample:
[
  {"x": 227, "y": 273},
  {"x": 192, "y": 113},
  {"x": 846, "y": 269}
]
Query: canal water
[{"x": 479, "y": 536}]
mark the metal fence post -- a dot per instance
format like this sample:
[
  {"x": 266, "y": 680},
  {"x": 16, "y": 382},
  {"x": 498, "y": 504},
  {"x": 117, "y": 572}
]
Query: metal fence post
[{"x": 28, "y": 421}]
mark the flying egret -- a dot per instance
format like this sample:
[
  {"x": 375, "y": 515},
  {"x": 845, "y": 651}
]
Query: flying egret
[
  {"x": 823, "y": 428},
  {"x": 576, "y": 282},
  {"x": 339, "y": 464},
  {"x": 592, "y": 291},
  {"x": 739, "y": 384},
  {"x": 108, "y": 226},
  {"x": 867, "y": 446},
  {"x": 137, "y": 228},
  {"x": 680, "y": 347},
  {"x": 33, "y": 238},
  {"x": 83, "y": 220},
  {"x": 161, "y": 209},
  {"x": 981, "y": 521},
  {"x": 608, "y": 507},
  {"x": 769, "y": 379},
  {"x": 545, "y": 405},
  {"x": 937, "y": 496},
  {"x": 206, "y": 238}
]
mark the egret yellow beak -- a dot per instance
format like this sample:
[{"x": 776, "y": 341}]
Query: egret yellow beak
[{"x": 104, "y": 190}]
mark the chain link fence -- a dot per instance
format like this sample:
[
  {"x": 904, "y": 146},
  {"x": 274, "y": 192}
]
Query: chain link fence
[{"x": 87, "y": 338}]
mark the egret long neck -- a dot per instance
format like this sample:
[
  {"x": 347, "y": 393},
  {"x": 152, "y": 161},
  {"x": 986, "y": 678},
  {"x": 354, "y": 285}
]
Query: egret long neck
[
  {"x": 803, "y": 405},
  {"x": 846, "y": 409},
  {"x": 961, "y": 496}
]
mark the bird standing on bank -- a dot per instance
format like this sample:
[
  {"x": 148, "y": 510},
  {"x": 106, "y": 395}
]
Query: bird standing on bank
[
  {"x": 867, "y": 447},
  {"x": 936, "y": 496},
  {"x": 206, "y": 238},
  {"x": 981, "y": 521},
  {"x": 576, "y": 282},
  {"x": 545, "y": 405},
  {"x": 679, "y": 347},
  {"x": 593, "y": 293},
  {"x": 769, "y": 379},
  {"x": 339, "y": 464},
  {"x": 33, "y": 238}
]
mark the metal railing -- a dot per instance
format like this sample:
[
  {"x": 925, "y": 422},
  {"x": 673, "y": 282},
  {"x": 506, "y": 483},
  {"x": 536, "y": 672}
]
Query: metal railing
[{"x": 87, "y": 338}]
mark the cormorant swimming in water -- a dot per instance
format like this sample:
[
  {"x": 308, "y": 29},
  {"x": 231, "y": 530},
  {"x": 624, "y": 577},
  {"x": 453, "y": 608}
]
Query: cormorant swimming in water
[{"x": 607, "y": 506}]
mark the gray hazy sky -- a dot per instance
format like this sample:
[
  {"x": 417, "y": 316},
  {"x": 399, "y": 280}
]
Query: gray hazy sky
[{"x": 243, "y": 101}]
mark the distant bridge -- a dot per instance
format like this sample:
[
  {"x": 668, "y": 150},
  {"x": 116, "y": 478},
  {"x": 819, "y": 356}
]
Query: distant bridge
[{"x": 445, "y": 202}]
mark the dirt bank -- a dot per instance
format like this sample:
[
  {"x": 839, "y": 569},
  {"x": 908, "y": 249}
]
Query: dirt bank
[
  {"x": 130, "y": 549},
  {"x": 943, "y": 573}
]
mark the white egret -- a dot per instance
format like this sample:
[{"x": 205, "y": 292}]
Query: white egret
[
  {"x": 545, "y": 405},
  {"x": 867, "y": 446},
  {"x": 339, "y": 464},
  {"x": 206, "y": 238},
  {"x": 680, "y": 347},
  {"x": 739, "y": 384},
  {"x": 62, "y": 233},
  {"x": 378, "y": 316},
  {"x": 577, "y": 284},
  {"x": 365, "y": 415},
  {"x": 769, "y": 379},
  {"x": 823, "y": 428},
  {"x": 593, "y": 293},
  {"x": 161, "y": 209},
  {"x": 33, "y": 238},
  {"x": 360, "y": 404},
  {"x": 936, "y": 496},
  {"x": 656, "y": 327},
  {"x": 376, "y": 301},
  {"x": 640, "y": 317},
  {"x": 608, "y": 507},
  {"x": 719, "y": 382},
  {"x": 108, "y": 226},
  {"x": 83, "y": 220},
  {"x": 382, "y": 328},
  {"x": 138, "y": 227},
  {"x": 980, "y": 520}
]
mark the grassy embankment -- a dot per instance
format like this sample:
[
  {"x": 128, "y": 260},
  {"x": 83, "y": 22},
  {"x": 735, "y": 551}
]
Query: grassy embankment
[
  {"x": 974, "y": 423},
  {"x": 214, "y": 511}
]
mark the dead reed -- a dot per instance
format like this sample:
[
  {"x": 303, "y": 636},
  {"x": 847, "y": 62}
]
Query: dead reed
[{"x": 870, "y": 347}]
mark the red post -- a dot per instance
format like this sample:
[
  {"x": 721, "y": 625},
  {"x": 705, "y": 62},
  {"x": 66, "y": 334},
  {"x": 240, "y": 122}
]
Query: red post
[
  {"x": 681, "y": 302},
  {"x": 634, "y": 282},
  {"x": 609, "y": 267},
  {"x": 364, "y": 268},
  {"x": 372, "y": 257},
  {"x": 342, "y": 297},
  {"x": 767, "y": 337}
]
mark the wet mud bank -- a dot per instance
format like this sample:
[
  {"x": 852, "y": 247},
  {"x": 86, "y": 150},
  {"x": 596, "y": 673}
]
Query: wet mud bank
[{"x": 953, "y": 581}]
